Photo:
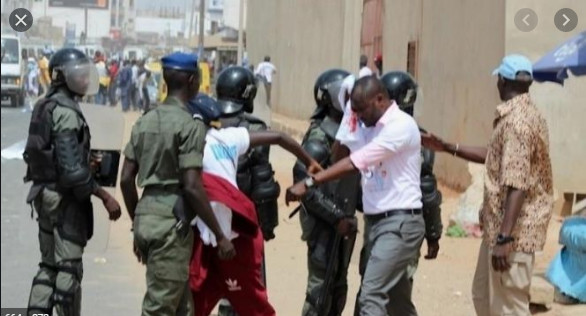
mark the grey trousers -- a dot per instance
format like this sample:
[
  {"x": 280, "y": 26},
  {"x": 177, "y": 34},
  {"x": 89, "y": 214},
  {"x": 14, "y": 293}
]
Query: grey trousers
[{"x": 390, "y": 245}]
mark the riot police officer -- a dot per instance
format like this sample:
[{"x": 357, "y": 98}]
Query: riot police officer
[
  {"x": 165, "y": 153},
  {"x": 235, "y": 91},
  {"x": 57, "y": 155},
  {"x": 403, "y": 89},
  {"x": 327, "y": 213}
]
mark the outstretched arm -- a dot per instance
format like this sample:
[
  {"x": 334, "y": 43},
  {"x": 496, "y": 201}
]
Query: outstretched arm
[
  {"x": 336, "y": 171},
  {"x": 470, "y": 153},
  {"x": 288, "y": 143}
]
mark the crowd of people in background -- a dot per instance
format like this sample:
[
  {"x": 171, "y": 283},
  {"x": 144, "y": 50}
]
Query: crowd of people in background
[
  {"x": 37, "y": 77},
  {"x": 125, "y": 82}
]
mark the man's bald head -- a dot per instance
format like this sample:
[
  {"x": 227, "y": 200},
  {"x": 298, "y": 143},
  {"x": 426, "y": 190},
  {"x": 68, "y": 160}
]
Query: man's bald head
[
  {"x": 370, "y": 99},
  {"x": 368, "y": 87}
]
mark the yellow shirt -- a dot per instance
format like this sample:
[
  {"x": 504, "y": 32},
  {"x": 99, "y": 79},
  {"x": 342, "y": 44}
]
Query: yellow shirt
[{"x": 44, "y": 78}]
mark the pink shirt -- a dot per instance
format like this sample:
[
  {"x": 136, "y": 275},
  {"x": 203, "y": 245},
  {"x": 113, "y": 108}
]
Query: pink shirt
[{"x": 389, "y": 157}]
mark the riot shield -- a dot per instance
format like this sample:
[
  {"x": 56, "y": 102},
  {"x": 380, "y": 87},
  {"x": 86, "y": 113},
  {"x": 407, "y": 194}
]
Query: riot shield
[{"x": 107, "y": 129}]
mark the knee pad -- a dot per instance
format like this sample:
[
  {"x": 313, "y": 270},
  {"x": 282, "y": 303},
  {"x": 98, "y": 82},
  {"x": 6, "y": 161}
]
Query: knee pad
[
  {"x": 41, "y": 296},
  {"x": 70, "y": 273},
  {"x": 67, "y": 294}
]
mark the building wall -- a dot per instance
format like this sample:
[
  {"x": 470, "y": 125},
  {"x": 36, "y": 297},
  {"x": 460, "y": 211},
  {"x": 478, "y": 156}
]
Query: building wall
[
  {"x": 231, "y": 13},
  {"x": 459, "y": 44},
  {"x": 563, "y": 107},
  {"x": 162, "y": 26},
  {"x": 303, "y": 38},
  {"x": 98, "y": 20}
]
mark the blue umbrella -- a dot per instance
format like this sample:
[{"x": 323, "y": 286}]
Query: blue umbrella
[{"x": 571, "y": 55}]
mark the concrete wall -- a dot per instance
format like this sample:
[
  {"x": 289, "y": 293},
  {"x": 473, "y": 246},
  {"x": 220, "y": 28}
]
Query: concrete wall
[
  {"x": 402, "y": 22},
  {"x": 303, "y": 38},
  {"x": 460, "y": 43},
  {"x": 564, "y": 107}
]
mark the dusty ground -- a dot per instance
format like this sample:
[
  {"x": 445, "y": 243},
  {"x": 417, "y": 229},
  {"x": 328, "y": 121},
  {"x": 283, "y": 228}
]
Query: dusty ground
[
  {"x": 114, "y": 281},
  {"x": 442, "y": 286}
]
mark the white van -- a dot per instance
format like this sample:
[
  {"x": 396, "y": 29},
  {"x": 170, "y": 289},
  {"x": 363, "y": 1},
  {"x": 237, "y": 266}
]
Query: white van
[
  {"x": 12, "y": 71},
  {"x": 90, "y": 50},
  {"x": 134, "y": 52}
]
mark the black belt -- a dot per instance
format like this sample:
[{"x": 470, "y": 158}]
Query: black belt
[
  {"x": 378, "y": 217},
  {"x": 160, "y": 189}
]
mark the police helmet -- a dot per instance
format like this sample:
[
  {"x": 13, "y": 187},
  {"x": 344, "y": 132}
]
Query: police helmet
[
  {"x": 325, "y": 91},
  {"x": 235, "y": 89},
  {"x": 72, "y": 68},
  {"x": 402, "y": 88},
  {"x": 204, "y": 107}
]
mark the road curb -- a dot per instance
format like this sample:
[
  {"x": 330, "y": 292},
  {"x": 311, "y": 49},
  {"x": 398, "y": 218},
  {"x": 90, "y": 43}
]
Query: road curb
[{"x": 292, "y": 127}]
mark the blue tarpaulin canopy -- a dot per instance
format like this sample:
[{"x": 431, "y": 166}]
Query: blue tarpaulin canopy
[{"x": 571, "y": 55}]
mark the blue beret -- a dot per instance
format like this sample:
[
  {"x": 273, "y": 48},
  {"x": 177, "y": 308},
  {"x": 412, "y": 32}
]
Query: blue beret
[
  {"x": 180, "y": 61},
  {"x": 205, "y": 107}
]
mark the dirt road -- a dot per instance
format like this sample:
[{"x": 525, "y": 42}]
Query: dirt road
[{"x": 442, "y": 286}]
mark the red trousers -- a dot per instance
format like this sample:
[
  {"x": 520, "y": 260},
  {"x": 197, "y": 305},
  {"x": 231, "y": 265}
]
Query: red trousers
[{"x": 238, "y": 280}]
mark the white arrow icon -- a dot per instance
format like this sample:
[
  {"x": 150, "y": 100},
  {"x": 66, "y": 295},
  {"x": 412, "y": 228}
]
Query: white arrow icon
[
  {"x": 525, "y": 19},
  {"x": 567, "y": 20}
]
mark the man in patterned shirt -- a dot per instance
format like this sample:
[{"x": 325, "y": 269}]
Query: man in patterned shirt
[{"x": 518, "y": 193}]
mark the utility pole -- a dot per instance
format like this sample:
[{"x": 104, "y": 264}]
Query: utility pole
[
  {"x": 240, "y": 33},
  {"x": 202, "y": 4},
  {"x": 117, "y": 13},
  {"x": 85, "y": 23},
  {"x": 191, "y": 17}
]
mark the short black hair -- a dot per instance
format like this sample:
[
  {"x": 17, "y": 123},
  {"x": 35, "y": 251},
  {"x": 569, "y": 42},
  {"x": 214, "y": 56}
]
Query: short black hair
[
  {"x": 267, "y": 58},
  {"x": 368, "y": 87},
  {"x": 177, "y": 79},
  {"x": 363, "y": 60}
]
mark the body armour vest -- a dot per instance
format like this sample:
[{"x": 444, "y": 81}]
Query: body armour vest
[{"x": 39, "y": 152}]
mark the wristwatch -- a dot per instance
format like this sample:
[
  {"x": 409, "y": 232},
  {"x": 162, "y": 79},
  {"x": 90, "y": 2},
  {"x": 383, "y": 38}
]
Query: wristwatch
[
  {"x": 309, "y": 182},
  {"x": 502, "y": 239}
]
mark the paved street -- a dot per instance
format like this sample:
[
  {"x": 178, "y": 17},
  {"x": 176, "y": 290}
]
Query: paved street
[{"x": 110, "y": 271}]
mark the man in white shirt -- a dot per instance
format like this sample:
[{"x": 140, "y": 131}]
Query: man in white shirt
[
  {"x": 134, "y": 97},
  {"x": 387, "y": 151},
  {"x": 364, "y": 70},
  {"x": 266, "y": 70},
  {"x": 222, "y": 148}
]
